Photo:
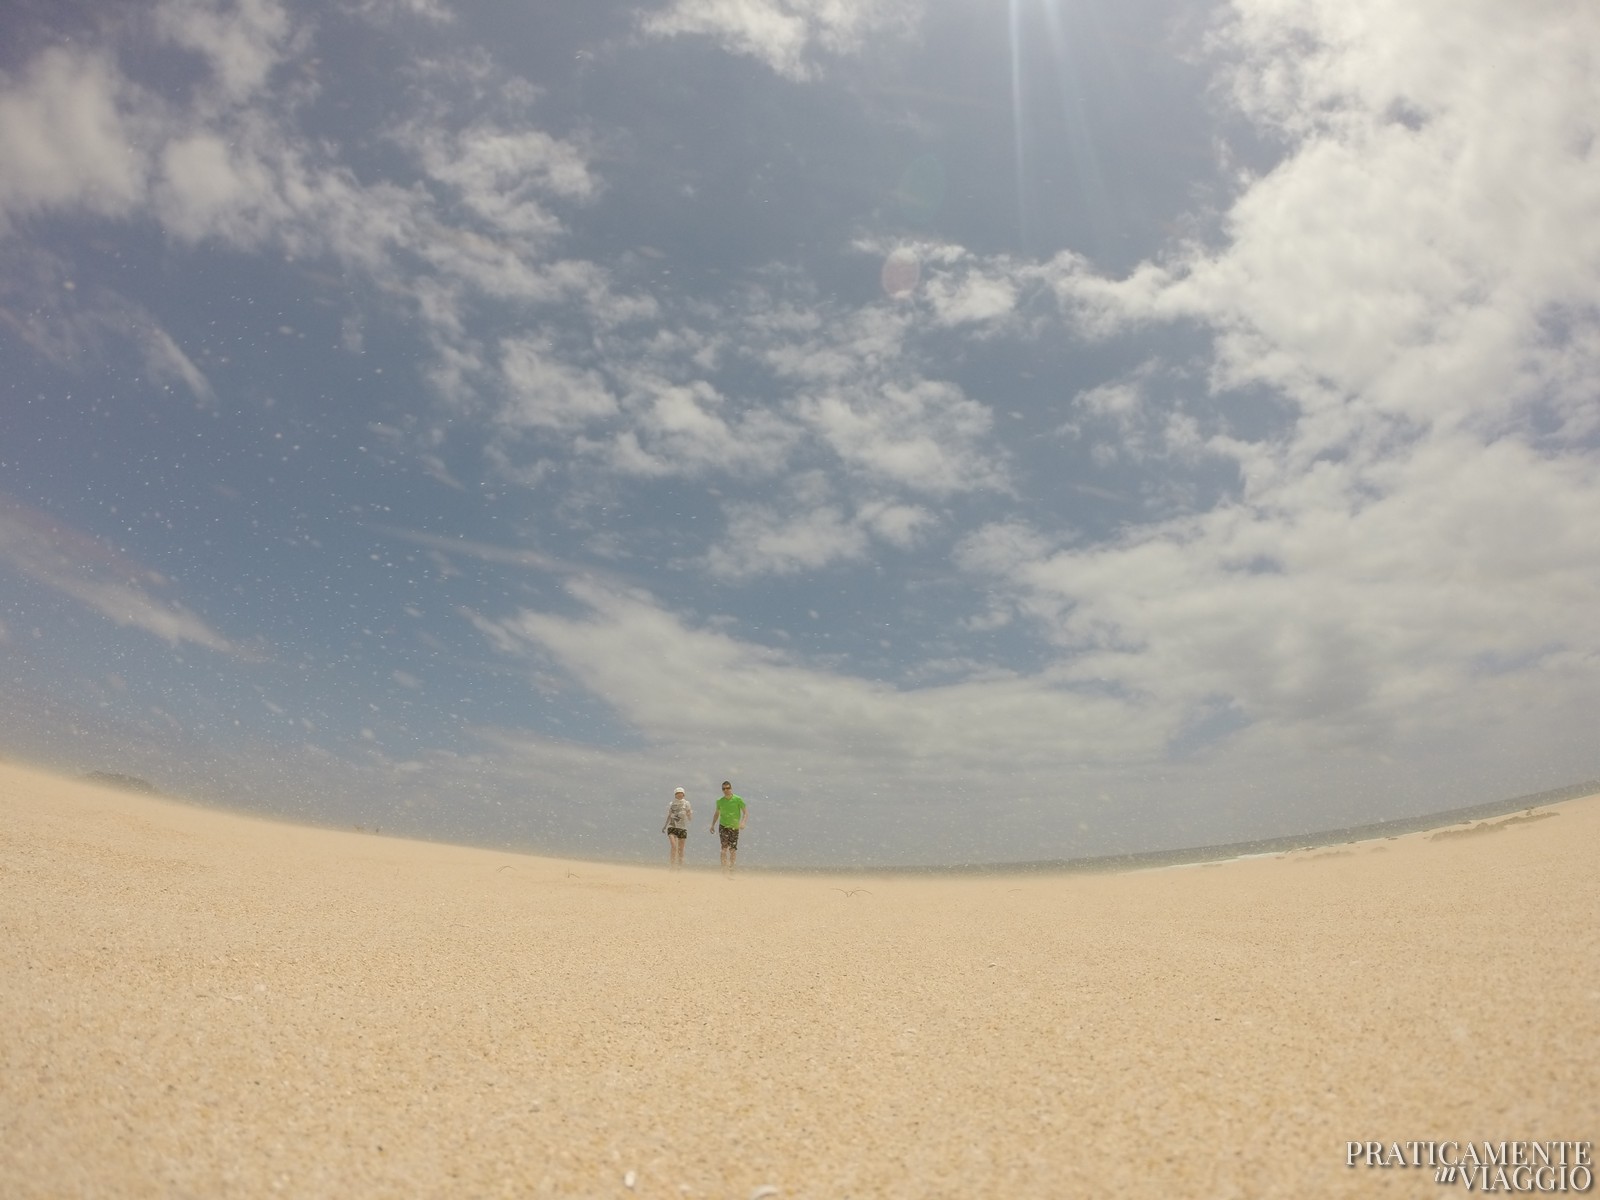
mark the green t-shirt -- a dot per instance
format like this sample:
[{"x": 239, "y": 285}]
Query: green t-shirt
[{"x": 730, "y": 809}]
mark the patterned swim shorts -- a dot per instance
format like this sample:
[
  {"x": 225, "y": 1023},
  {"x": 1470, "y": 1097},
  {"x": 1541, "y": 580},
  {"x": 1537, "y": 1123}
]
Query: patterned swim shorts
[{"x": 730, "y": 837}]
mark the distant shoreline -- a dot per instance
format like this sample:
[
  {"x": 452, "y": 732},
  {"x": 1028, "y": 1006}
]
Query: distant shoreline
[
  {"x": 1226, "y": 851},
  {"x": 1086, "y": 865}
]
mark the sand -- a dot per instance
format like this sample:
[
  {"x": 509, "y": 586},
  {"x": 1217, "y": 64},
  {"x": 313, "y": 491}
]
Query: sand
[{"x": 198, "y": 1003}]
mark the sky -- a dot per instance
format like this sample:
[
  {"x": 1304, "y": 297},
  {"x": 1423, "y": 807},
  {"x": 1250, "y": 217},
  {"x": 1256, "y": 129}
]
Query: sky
[{"x": 982, "y": 430}]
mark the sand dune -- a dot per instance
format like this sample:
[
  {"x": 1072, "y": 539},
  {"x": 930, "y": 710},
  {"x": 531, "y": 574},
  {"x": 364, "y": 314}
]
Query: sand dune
[{"x": 196, "y": 1003}]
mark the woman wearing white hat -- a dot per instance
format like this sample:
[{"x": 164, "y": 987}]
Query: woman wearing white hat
[{"x": 679, "y": 814}]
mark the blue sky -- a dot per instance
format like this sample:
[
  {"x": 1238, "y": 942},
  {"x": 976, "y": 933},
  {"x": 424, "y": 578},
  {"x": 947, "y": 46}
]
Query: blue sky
[{"x": 984, "y": 430}]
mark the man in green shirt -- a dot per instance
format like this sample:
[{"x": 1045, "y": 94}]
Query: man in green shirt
[{"x": 727, "y": 823}]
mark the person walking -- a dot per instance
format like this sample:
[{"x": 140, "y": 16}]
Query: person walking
[
  {"x": 676, "y": 827},
  {"x": 730, "y": 818}
]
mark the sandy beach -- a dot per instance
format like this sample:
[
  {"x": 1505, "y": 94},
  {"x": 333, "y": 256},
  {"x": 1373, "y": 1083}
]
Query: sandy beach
[{"x": 198, "y": 1003}]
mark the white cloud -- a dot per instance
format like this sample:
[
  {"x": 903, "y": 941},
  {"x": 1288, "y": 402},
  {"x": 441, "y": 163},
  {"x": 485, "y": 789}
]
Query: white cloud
[
  {"x": 546, "y": 392},
  {"x": 1001, "y": 548},
  {"x": 1440, "y": 196},
  {"x": 231, "y": 164},
  {"x": 481, "y": 551},
  {"x": 1119, "y": 401},
  {"x": 973, "y": 300},
  {"x": 241, "y": 40},
  {"x": 810, "y": 527},
  {"x": 387, "y": 11},
  {"x": 764, "y": 541},
  {"x": 969, "y": 291},
  {"x": 80, "y": 328},
  {"x": 502, "y": 175},
  {"x": 87, "y": 570},
  {"x": 1339, "y": 607},
  {"x": 251, "y": 182},
  {"x": 697, "y": 689},
  {"x": 207, "y": 187},
  {"x": 164, "y": 358},
  {"x": 926, "y": 436},
  {"x": 244, "y": 175},
  {"x": 691, "y": 429},
  {"x": 66, "y": 139},
  {"x": 833, "y": 348},
  {"x": 900, "y": 525},
  {"x": 787, "y": 35},
  {"x": 1406, "y": 568}
]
